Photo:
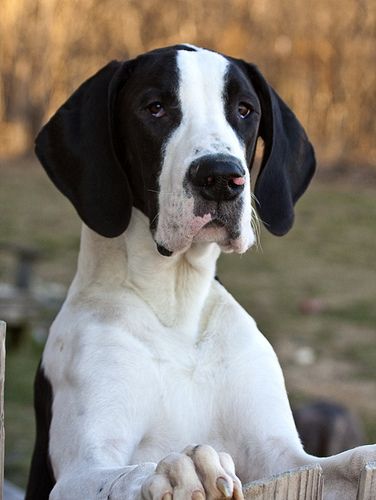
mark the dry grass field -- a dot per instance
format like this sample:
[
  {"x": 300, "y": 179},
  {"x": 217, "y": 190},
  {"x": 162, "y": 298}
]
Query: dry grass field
[
  {"x": 319, "y": 57},
  {"x": 311, "y": 292}
]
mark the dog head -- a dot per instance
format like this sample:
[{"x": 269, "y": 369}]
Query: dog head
[{"x": 173, "y": 133}]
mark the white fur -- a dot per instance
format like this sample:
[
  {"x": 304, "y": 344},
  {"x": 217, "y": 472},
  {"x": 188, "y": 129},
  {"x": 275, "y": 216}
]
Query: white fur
[
  {"x": 150, "y": 354},
  {"x": 203, "y": 130}
]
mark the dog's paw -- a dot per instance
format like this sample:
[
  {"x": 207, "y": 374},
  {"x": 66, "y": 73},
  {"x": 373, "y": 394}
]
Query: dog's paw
[{"x": 198, "y": 473}]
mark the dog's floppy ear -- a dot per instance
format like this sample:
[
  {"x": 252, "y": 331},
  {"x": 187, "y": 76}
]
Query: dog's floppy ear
[
  {"x": 76, "y": 149},
  {"x": 288, "y": 162}
]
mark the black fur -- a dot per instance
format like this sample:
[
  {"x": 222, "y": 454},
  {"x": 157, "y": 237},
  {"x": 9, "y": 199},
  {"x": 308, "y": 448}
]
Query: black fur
[
  {"x": 41, "y": 477},
  {"x": 76, "y": 149},
  {"x": 97, "y": 145},
  {"x": 139, "y": 136},
  {"x": 288, "y": 162}
]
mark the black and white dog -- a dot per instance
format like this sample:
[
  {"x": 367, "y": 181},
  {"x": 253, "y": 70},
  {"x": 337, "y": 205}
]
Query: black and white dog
[{"x": 155, "y": 383}]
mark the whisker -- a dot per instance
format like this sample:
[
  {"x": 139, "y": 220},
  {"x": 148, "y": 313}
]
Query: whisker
[
  {"x": 167, "y": 193},
  {"x": 256, "y": 222},
  {"x": 154, "y": 218}
]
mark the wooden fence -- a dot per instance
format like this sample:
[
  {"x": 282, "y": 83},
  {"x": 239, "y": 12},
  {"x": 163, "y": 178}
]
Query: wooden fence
[{"x": 305, "y": 483}]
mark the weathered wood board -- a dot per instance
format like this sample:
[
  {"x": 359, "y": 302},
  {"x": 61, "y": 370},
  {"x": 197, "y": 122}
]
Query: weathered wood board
[
  {"x": 304, "y": 483},
  {"x": 367, "y": 483}
]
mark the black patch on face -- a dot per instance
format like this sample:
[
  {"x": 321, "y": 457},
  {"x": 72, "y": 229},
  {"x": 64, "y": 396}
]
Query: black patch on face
[
  {"x": 41, "y": 477},
  {"x": 140, "y": 135},
  {"x": 239, "y": 90}
]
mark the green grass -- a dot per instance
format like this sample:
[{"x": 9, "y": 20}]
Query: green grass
[
  {"x": 361, "y": 312},
  {"x": 33, "y": 213},
  {"x": 19, "y": 417},
  {"x": 329, "y": 256}
]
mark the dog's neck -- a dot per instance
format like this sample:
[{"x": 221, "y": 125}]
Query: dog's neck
[{"x": 174, "y": 287}]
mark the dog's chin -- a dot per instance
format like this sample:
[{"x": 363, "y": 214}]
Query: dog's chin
[
  {"x": 237, "y": 244},
  {"x": 212, "y": 232},
  {"x": 216, "y": 232}
]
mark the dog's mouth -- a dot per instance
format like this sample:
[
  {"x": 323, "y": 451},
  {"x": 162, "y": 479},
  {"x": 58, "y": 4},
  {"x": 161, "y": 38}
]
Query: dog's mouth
[
  {"x": 187, "y": 220},
  {"x": 200, "y": 231},
  {"x": 214, "y": 224},
  {"x": 214, "y": 230},
  {"x": 227, "y": 236}
]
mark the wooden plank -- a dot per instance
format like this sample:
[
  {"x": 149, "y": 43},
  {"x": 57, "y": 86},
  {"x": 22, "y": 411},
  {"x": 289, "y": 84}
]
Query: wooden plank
[
  {"x": 2, "y": 377},
  {"x": 304, "y": 483},
  {"x": 367, "y": 483}
]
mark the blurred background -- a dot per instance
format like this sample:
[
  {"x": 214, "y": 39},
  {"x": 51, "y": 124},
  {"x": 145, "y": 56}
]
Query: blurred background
[{"x": 312, "y": 292}]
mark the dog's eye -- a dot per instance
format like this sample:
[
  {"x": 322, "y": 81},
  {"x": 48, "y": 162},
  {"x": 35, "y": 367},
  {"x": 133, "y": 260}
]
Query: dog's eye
[
  {"x": 156, "y": 109},
  {"x": 244, "y": 109}
]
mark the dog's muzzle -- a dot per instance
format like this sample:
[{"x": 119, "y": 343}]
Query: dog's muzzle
[
  {"x": 209, "y": 209},
  {"x": 218, "y": 178}
]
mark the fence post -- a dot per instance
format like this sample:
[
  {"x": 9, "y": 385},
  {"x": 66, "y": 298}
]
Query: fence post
[
  {"x": 367, "y": 483},
  {"x": 304, "y": 483},
  {"x": 2, "y": 432}
]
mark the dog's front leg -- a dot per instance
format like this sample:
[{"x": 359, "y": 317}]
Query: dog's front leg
[{"x": 100, "y": 483}]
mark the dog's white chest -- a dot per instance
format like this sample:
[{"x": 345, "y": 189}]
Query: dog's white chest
[
  {"x": 188, "y": 379},
  {"x": 172, "y": 384},
  {"x": 186, "y": 401}
]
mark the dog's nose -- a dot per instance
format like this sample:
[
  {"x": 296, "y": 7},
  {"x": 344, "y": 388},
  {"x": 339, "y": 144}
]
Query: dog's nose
[{"x": 217, "y": 177}]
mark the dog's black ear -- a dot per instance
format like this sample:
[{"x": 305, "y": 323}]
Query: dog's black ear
[
  {"x": 76, "y": 149},
  {"x": 288, "y": 162}
]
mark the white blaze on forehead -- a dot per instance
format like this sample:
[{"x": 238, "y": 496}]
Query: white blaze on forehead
[
  {"x": 203, "y": 130},
  {"x": 202, "y": 78}
]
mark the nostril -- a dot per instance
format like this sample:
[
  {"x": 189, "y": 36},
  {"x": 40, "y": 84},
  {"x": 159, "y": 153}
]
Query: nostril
[
  {"x": 222, "y": 181},
  {"x": 209, "y": 181}
]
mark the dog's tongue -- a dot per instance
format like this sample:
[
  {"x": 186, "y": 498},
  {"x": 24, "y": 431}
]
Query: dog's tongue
[{"x": 163, "y": 251}]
